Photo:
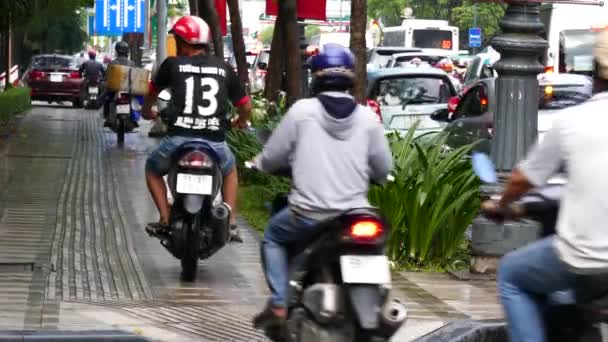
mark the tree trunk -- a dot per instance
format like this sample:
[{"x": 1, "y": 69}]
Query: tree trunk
[
  {"x": 238, "y": 44},
  {"x": 208, "y": 12},
  {"x": 288, "y": 8},
  {"x": 8, "y": 54},
  {"x": 193, "y": 4},
  {"x": 276, "y": 63},
  {"x": 358, "y": 21},
  {"x": 135, "y": 41}
]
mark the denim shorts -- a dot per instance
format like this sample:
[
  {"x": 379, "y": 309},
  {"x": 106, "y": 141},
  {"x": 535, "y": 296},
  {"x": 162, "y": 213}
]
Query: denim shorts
[{"x": 159, "y": 160}]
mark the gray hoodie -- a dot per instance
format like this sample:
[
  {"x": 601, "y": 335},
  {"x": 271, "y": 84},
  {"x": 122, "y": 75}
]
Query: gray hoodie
[{"x": 335, "y": 148}]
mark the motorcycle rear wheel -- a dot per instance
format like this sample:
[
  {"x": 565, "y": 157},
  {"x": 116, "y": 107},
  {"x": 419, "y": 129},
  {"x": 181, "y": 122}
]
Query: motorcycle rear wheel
[
  {"x": 190, "y": 245},
  {"x": 120, "y": 130}
]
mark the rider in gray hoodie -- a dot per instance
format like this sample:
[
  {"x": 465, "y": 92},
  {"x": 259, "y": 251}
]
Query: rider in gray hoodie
[{"x": 334, "y": 148}]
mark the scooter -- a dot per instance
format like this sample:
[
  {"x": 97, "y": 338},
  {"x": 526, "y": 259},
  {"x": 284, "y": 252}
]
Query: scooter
[
  {"x": 200, "y": 220},
  {"x": 125, "y": 113},
  {"x": 340, "y": 281},
  {"x": 576, "y": 321}
]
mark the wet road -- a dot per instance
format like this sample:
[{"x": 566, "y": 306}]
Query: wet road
[{"x": 73, "y": 252}]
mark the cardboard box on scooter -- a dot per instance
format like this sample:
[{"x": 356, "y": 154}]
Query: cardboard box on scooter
[{"x": 130, "y": 79}]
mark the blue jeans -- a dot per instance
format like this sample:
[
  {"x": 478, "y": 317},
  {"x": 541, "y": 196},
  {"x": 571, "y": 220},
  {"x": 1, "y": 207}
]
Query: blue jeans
[
  {"x": 286, "y": 231},
  {"x": 159, "y": 160},
  {"x": 527, "y": 277}
]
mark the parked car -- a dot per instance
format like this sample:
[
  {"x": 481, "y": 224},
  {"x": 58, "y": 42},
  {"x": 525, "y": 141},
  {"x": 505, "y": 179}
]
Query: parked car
[
  {"x": 55, "y": 78},
  {"x": 257, "y": 72},
  {"x": 378, "y": 57},
  {"x": 473, "y": 119},
  {"x": 407, "y": 95}
]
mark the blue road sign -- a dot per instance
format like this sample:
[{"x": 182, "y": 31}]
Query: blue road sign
[
  {"x": 115, "y": 17},
  {"x": 475, "y": 37}
]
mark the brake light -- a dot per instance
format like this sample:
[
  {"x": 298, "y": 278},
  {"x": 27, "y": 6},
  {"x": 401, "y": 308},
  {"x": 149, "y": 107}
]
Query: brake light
[
  {"x": 196, "y": 160},
  {"x": 375, "y": 106},
  {"x": 453, "y": 103},
  {"x": 260, "y": 73},
  {"x": 365, "y": 230},
  {"x": 484, "y": 101},
  {"x": 74, "y": 75},
  {"x": 36, "y": 74},
  {"x": 549, "y": 70}
]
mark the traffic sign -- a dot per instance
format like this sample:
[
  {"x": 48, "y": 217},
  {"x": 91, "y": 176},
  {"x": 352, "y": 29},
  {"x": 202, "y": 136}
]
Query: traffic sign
[
  {"x": 115, "y": 17},
  {"x": 475, "y": 37}
]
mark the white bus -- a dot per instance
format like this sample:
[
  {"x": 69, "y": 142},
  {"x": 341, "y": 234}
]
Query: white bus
[
  {"x": 570, "y": 30},
  {"x": 423, "y": 34}
]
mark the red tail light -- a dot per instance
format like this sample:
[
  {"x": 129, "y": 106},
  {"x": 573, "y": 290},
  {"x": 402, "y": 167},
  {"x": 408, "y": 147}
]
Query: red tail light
[
  {"x": 260, "y": 73},
  {"x": 453, "y": 103},
  {"x": 375, "y": 106},
  {"x": 196, "y": 160},
  {"x": 549, "y": 70},
  {"x": 123, "y": 99},
  {"x": 74, "y": 75},
  {"x": 36, "y": 74},
  {"x": 366, "y": 230}
]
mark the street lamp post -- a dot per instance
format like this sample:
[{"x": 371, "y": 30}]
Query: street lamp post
[{"x": 515, "y": 123}]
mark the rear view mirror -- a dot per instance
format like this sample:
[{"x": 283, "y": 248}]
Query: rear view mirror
[
  {"x": 484, "y": 168},
  {"x": 441, "y": 115}
]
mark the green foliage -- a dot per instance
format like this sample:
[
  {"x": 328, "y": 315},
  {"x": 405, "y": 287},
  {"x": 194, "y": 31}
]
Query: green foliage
[
  {"x": 311, "y": 30},
  {"x": 430, "y": 204},
  {"x": 252, "y": 199},
  {"x": 13, "y": 101},
  {"x": 457, "y": 12},
  {"x": 265, "y": 35}
]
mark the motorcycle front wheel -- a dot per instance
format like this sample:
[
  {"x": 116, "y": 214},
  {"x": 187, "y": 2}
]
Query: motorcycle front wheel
[{"x": 190, "y": 245}]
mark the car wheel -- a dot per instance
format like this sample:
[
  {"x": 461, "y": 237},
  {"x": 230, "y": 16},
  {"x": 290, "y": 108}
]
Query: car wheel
[{"x": 77, "y": 103}]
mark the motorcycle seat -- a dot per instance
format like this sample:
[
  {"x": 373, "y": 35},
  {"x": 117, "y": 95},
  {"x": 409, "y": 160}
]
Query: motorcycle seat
[
  {"x": 592, "y": 292},
  {"x": 196, "y": 145}
]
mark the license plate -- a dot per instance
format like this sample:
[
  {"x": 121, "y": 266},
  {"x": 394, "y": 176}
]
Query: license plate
[
  {"x": 56, "y": 78},
  {"x": 93, "y": 90},
  {"x": 365, "y": 269},
  {"x": 194, "y": 184},
  {"x": 93, "y": 97},
  {"x": 123, "y": 109}
]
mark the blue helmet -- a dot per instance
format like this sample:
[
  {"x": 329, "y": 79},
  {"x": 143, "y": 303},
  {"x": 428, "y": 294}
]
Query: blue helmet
[{"x": 333, "y": 68}]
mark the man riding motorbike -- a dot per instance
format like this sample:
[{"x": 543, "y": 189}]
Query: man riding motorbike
[
  {"x": 200, "y": 85},
  {"x": 92, "y": 69},
  {"x": 335, "y": 148},
  {"x": 122, "y": 58},
  {"x": 527, "y": 277}
]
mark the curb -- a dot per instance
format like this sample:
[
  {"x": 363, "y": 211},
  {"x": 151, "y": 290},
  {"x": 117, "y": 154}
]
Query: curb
[
  {"x": 468, "y": 331},
  {"x": 60, "y": 336}
]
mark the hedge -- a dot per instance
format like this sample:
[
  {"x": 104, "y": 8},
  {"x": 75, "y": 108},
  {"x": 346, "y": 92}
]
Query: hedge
[{"x": 13, "y": 101}]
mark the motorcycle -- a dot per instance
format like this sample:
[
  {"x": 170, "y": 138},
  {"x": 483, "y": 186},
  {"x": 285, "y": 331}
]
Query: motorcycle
[
  {"x": 93, "y": 93},
  {"x": 340, "y": 282},
  {"x": 200, "y": 220},
  {"x": 125, "y": 112},
  {"x": 572, "y": 321}
]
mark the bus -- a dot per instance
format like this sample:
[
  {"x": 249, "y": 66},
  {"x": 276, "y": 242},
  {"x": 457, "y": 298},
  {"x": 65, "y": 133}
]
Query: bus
[
  {"x": 571, "y": 30},
  {"x": 423, "y": 34}
]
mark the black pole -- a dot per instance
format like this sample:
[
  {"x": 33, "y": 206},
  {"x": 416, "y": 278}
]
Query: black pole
[{"x": 303, "y": 46}]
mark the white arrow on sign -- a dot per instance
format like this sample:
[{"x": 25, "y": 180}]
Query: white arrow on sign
[
  {"x": 106, "y": 13},
  {"x": 126, "y": 14}
]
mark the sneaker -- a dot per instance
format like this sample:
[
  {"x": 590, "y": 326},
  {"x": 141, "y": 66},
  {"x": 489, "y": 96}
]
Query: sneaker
[
  {"x": 267, "y": 319},
  {"x": 235, "y": 234},
  {"x": 157, "y": 229}
]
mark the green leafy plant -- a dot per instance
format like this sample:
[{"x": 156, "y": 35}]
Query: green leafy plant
[
  {"x": 432, "y": 201},
  {"x": 13, "y": 100}
]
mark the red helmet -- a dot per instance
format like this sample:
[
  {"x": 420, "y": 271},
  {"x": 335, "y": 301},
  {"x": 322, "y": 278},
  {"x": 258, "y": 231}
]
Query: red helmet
[
  {"x": 192, "y": 29},
  {"x": 92, "y": 53}
]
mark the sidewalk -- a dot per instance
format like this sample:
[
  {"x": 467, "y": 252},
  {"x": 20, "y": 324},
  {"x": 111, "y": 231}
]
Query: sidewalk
[{"x": 436, "y": 299}]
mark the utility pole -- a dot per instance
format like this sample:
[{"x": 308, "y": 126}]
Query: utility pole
[
  {"x": 475, "y": 19},
  {"x": 147, "y": 28},
  {"x": 159, "y": 128},
  {"x": 161, "y": 47}
]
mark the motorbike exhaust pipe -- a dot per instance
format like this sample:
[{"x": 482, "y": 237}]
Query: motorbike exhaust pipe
[
  {"x": 392, "y": 317},
  {"x": 220, "y": 222}
]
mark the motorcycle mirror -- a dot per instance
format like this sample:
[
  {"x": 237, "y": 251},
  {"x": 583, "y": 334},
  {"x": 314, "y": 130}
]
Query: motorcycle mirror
[
  {"x": 484, "y": 168},
  {"x": 164, "y": 95}
]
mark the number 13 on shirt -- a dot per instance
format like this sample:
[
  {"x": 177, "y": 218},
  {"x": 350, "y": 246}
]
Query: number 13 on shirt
[{"x": 210, "y": 95}]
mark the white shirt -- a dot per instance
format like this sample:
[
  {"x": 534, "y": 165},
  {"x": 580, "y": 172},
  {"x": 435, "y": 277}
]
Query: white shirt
[{"x": 580, "y": 138}]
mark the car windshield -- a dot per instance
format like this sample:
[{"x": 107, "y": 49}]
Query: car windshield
[
  {"x": 576, "y": 51},
  {"x": 405, "y": 90},
  {"x": 52, "y": 61},
  {"x": 382, "y": 57}
]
